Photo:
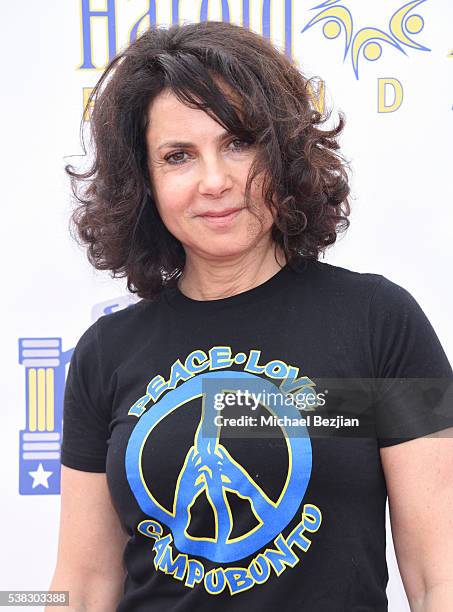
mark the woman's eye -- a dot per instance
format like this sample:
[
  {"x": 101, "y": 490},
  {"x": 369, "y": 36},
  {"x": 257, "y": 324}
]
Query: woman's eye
[
  {"x": 242, "y": 143},
  {"x": 173, "y": 155},
  {"x": 174, "y": 160}
]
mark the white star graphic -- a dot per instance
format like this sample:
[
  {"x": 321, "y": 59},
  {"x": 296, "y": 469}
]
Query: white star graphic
[{"x": 40, "y": 477}]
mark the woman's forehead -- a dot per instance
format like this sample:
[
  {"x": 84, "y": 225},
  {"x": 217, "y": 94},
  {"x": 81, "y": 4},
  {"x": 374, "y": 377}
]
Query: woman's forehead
[{"x": 168, "y": 114}]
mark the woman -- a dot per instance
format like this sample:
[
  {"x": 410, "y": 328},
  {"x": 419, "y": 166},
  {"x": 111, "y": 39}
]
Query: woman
[{"x": 204, "y": 462}]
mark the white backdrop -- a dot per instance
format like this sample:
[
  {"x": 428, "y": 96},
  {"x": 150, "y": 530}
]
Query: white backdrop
[{"x": 399, "y": 144}]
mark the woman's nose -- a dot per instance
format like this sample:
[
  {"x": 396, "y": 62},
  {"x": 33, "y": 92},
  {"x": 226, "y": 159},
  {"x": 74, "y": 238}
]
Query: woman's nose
[{"x": 215, "y": 177}]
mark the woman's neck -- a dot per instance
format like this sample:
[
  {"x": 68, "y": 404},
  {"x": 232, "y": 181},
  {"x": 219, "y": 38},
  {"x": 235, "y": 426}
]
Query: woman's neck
[{"x": 203, "y": 279}]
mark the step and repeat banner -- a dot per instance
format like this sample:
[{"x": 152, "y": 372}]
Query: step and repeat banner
[{"x": 387, "y": 65}]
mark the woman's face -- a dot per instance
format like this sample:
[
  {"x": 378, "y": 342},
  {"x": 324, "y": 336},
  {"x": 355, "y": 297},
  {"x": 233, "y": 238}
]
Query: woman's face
[{"x": 197, "y": 171}]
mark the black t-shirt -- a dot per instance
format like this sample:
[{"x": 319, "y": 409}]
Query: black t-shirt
[{"x": 284, "y": 509}]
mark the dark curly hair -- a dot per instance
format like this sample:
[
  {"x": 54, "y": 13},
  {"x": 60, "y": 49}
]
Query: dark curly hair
[{"x": 305, "y": 184}]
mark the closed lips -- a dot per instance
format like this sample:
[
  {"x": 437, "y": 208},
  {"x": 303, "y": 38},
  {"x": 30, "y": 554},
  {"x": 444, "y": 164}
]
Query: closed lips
[{"x": 224, "y": 213}]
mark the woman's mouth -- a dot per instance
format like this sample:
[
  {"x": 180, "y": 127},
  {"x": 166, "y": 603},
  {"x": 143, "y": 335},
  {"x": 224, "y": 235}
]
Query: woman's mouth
[{"x": 221, "y": 220}]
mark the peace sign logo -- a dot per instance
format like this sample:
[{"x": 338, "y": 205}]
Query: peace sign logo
[{"x": 210, "y": 469}]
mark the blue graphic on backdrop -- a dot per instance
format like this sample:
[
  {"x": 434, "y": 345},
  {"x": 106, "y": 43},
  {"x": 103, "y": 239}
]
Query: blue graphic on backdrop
[
  {"x": 45, "y": 374},
  {"x": 40, "y": 441},
  {"x": 110, "y": 16},
  {"x": 369, "y": 40}
]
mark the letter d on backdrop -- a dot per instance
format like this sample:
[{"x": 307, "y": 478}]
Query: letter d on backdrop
[{"x": 397, "y": 95}]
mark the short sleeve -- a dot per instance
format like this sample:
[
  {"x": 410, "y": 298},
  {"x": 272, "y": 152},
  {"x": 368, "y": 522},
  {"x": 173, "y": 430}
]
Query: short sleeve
[
  {"x": 85, "y": 413},
  {"x": 413, "y": 377}
]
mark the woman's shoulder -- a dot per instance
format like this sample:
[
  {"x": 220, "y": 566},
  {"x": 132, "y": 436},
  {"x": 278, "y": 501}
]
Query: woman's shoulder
[
  {"x": 128, "y": 313},
  {"x": 339, "y": 278},
  {"x": 373, "y": 291},
  {"x": 124, "y": 324}
]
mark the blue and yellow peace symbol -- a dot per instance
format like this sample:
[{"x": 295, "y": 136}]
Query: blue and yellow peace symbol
[{"x": 210, "y": 469}]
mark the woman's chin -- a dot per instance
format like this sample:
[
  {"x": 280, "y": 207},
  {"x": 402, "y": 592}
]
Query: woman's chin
[{"x": 223, "y": 248}]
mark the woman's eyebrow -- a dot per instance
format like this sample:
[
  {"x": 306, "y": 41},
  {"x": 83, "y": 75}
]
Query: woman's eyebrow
[{"x": 181, "y": 143}]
